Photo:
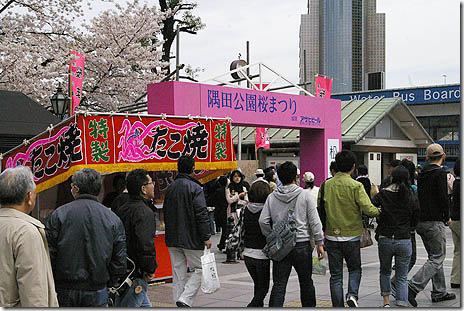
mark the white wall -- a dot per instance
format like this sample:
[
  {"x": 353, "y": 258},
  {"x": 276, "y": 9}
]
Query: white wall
[{"x": 373, "y": 161}]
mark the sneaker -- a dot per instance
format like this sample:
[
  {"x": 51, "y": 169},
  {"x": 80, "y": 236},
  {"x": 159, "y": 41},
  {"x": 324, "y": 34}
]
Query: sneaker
[
  {"x": 412, "y": 297},
  {"x": 352, "y": 302},
  {"x": 448, "y": 296},
  {"x": 181, "y": 304},
  {"x": 386, "y": 305},
  {"x": 454, "y": 285}
]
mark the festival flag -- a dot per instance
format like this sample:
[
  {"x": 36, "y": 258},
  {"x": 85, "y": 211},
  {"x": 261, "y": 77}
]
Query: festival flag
[
  {"x": 76, "y": 78},
  {"x": 323, "y": 86},
  {"x": 262, "y": 138}
]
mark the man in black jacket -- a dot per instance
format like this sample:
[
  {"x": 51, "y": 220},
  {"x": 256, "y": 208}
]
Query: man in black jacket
[
  {"x": 87, "y": 245},
  {"x": 187, "y": 231},
  {"x": 139, "y": 223},
  {"x": 434, "y": 213}
]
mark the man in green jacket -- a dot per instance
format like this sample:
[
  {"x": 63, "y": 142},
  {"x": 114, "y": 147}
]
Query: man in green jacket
[{"x": 345, "y": 200}]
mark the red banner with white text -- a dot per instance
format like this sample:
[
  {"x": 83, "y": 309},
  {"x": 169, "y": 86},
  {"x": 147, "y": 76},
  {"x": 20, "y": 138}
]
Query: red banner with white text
[
  {"x": 262, "y": 138},
  {"x": 111, "y": 144},
  {"x": 323, "y": 86}
]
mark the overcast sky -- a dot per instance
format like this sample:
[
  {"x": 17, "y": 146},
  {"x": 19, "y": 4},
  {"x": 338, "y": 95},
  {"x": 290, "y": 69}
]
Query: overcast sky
[{"x": 422, "y": 38}]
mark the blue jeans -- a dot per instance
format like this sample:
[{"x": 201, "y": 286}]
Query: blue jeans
[
  {"x": 131, "y": 299},
  {"x": 336, "y": 252},
  {"x": 300, "y": 258},
  {"x": 82, "y": 298},
  {"x": 434, "y": 239},
  {"x": 401, "y": 250}
]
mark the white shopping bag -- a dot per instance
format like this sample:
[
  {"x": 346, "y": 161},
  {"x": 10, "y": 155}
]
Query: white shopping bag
[{"x": 210, "y": 279}]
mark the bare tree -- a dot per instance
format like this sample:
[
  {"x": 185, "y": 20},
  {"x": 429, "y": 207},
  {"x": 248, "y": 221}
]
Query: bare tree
[{"x": 178, "y": 11}]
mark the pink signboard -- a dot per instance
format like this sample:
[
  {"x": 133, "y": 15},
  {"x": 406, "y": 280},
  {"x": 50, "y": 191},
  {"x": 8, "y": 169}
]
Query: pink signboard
[
  {"x": 319, "y": 119},
  {"x": 76, "y": 69},
  {"x": 269, "y": 108}
]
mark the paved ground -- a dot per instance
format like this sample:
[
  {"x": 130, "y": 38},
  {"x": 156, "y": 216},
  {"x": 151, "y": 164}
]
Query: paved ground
[{"x": 237, "y": 286}]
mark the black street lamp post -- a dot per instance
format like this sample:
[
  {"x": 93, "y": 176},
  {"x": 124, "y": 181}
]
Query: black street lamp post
[{"x": 60, "y": 103}]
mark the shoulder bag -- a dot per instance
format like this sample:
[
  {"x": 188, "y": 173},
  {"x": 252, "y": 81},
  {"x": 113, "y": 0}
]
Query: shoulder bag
[{"x": 282, "y": 239}]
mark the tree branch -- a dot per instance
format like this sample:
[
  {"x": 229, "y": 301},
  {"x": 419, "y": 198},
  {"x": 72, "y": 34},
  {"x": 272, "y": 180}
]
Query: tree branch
[
  {"x": 33, "y": 9},
  {"x": 186, "y": 6},
  {"x": 188, "y": 30},
  {"x": 6, "y": 6},
  {"x": 51, "y": 33},
  {"x": 163, "y": 5}
]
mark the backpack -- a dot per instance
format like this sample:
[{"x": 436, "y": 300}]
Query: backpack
[{"x": 282, "y": 239}]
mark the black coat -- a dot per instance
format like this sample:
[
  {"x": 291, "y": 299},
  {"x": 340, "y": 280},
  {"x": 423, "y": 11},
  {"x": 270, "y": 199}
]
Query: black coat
[
  {"x": 220, "y": 206},
  {"x": 366, "y": 182},
  {"x": 185, "y": 214},
  {"x": 253, "y": 237},
  {"x": 119, "y": 201},
  {"x": 432, "y": 187},
  {"x": 139, "y": 223},
  {"x": 397, "y": 219},
  {"x": 87, "y": 245},
  {"x": 455, "y": 210}
]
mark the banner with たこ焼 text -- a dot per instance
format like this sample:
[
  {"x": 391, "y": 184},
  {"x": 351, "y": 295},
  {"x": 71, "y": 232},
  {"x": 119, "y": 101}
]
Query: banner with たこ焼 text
[{"x": 118, "y": 144}]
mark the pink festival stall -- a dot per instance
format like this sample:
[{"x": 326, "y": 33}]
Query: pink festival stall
[{"x": 112, "y": 143}]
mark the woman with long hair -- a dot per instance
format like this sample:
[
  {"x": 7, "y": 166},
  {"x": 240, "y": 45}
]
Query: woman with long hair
[
  {"x": 399, "y": 210},
  {"x": 257, "y": 264},
  {"x": 236, "y": 193}
]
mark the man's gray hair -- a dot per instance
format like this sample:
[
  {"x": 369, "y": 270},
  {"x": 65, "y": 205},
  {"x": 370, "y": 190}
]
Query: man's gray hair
[
  {"x": 15, "y": 183},
  {"x": 88, "y": 181}
]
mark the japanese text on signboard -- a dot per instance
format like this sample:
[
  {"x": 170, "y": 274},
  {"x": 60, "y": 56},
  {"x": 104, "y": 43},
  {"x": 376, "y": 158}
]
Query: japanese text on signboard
[
  {"x": 116, "y": 140},
  {"x": 260, "y": 104}
]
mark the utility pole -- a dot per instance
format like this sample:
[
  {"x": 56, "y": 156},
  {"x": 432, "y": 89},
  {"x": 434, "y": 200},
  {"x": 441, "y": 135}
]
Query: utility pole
[
  {"x": 304, "y": 70},
  {"x": 177, "y": 52}
]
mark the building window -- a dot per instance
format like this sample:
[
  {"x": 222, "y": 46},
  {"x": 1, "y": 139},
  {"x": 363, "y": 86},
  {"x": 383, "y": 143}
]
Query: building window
[{"x": 441, "y": 127}]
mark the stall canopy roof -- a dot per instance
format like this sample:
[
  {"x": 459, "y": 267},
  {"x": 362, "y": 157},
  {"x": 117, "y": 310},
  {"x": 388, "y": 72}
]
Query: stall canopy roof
[
  {"x": 358, "y": 118},
  {"x": 22, "y": 116}
]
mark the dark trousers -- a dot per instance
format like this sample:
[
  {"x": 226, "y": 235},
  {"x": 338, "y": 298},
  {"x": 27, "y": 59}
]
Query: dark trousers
[
  {"x": 224, "y": 235},
  {"x": 301, "y": 259},
  {"x": 336, "y": 252},
  {"x": 82, "y": 298},
  {"x": 259, "y": 270},
  {"x": 211, "y": 223},
  {"x": 412, "y": 262}
]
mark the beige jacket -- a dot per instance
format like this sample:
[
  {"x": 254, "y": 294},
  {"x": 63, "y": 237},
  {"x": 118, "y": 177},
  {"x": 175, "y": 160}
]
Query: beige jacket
[{"x": 26, "y": 275}]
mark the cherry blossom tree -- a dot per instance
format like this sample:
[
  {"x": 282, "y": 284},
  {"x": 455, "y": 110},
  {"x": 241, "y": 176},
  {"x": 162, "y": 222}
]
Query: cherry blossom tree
[{"x": 120, "y": 46}]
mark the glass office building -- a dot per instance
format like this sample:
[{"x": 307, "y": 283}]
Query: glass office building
[{"x": 345, "y": 40}]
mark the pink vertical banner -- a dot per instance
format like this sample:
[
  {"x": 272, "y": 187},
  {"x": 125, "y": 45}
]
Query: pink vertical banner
[
  {"x": 323, "y": 86},
  {"x": 262, "y": 138},
  {"x": 76, "y": 71}
]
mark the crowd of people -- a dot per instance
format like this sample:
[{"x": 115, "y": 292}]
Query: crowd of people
[
  {"x": 333, "y": 218},
  {"x": 87, "y": 254}
]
